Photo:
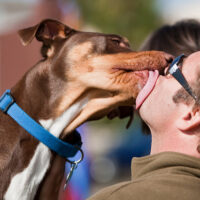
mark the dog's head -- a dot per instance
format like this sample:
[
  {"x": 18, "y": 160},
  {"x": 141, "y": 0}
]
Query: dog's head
[{"x": 99, "y": 66}]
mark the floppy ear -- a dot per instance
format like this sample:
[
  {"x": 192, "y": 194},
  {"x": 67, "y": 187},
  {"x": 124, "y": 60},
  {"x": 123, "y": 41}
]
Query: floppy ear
[
  {"x": 47, "y": 31},
  {"x": 190, "y": 120}
]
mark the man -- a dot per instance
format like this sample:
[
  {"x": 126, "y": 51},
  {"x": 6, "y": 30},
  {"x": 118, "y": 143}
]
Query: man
[{"x": 172, "y": 171}]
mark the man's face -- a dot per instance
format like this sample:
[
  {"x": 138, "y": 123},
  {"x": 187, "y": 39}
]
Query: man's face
[{"x": 159, "y": 110}]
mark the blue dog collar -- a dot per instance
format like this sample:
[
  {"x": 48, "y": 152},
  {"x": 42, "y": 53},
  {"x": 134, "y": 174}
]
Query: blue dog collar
[{"x": 64, "y": 149}]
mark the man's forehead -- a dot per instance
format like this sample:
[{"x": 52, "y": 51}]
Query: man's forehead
[{"x": 193, "y": 58}]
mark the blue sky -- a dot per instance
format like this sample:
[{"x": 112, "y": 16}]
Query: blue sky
[{"x": 173, "y": 10}]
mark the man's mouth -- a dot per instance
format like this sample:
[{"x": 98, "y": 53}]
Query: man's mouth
[
  {"x": 145, "y": 92},
  {"x": 146, "y": 82}
]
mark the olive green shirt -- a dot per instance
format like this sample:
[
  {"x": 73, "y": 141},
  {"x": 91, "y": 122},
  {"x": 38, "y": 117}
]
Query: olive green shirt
[{"x": 164, "y": 176}]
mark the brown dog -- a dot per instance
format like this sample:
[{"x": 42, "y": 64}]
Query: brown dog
[{"x": 83, "y": 76}]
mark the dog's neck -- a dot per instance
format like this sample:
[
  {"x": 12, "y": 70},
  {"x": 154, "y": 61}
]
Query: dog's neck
[
  {"x": 30, "y": 178},
  {"x": 48, "y": 99},
  {"x": 24, "y": 185},
  {"x": 59, "y": 107},
  {"x": 57, "y": 125}
]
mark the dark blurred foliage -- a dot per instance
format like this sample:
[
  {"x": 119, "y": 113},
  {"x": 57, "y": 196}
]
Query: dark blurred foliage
[{"x": 134, "y": 19}]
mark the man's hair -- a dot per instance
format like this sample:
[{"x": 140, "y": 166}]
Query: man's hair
[{"x": 181, "y": 37}]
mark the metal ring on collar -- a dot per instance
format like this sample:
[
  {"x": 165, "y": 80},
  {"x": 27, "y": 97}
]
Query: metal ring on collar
[{"x": 78, "y": 161}]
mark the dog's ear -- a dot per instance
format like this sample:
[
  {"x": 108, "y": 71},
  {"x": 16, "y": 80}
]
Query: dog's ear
[{"x": 46, "y": 31}]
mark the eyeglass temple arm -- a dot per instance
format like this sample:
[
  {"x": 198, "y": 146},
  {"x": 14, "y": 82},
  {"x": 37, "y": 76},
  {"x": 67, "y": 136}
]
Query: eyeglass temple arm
[{"x": 177, "y": 74}]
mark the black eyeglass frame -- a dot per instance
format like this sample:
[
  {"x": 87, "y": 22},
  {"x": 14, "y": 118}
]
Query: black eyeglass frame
[{"x": 175, "y": 71}]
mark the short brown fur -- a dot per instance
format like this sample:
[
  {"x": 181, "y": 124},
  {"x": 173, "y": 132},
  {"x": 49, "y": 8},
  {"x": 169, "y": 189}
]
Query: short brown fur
[{"x": 101, "y": 69}]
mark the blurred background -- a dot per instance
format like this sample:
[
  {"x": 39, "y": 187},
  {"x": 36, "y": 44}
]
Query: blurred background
[{"x": 108, "y": 145}]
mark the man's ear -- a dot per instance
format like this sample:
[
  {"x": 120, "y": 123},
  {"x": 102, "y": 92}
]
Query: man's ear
[
  {"x": 47, "y": 31},
  {"x": 190, "y": 120}
]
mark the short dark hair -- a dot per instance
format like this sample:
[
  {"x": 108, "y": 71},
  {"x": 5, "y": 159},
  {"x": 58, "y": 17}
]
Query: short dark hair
[{"x": 181, "y": 37}]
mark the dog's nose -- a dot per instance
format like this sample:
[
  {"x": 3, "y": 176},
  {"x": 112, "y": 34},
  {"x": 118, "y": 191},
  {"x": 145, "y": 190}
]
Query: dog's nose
[{"x": 169, "y": 58}]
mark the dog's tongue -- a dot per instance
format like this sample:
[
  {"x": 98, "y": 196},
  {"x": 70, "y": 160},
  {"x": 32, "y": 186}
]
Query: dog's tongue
[{"x": 144, "y": 93}]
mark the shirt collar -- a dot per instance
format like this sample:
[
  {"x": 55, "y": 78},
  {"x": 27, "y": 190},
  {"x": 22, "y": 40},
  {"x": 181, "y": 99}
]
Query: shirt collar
[{"x": 170, "y": 162}]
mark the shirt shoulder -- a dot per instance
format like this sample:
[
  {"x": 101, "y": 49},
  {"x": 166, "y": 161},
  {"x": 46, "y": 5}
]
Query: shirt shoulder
[
  {"x": 124, "y": 190},
  {"x": 107, "y": 192},
  {"x": 165, "y": 187}
]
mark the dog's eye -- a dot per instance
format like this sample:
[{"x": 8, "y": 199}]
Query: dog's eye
[{"x": 116, "y": 41}]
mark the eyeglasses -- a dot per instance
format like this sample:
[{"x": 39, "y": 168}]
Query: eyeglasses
[{"x": 175, "y": 71}]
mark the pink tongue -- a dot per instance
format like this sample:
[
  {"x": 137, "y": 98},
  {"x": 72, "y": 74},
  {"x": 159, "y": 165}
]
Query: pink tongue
[{"x": 144, "y": 93}]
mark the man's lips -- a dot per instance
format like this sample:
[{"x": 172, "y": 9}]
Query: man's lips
[{"x": 144, "y": 93}]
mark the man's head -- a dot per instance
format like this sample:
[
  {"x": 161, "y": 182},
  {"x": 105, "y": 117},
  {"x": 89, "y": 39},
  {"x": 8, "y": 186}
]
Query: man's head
[
  {"x": 181, "y": 37},
  {"x": 171, "y": 113}
]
